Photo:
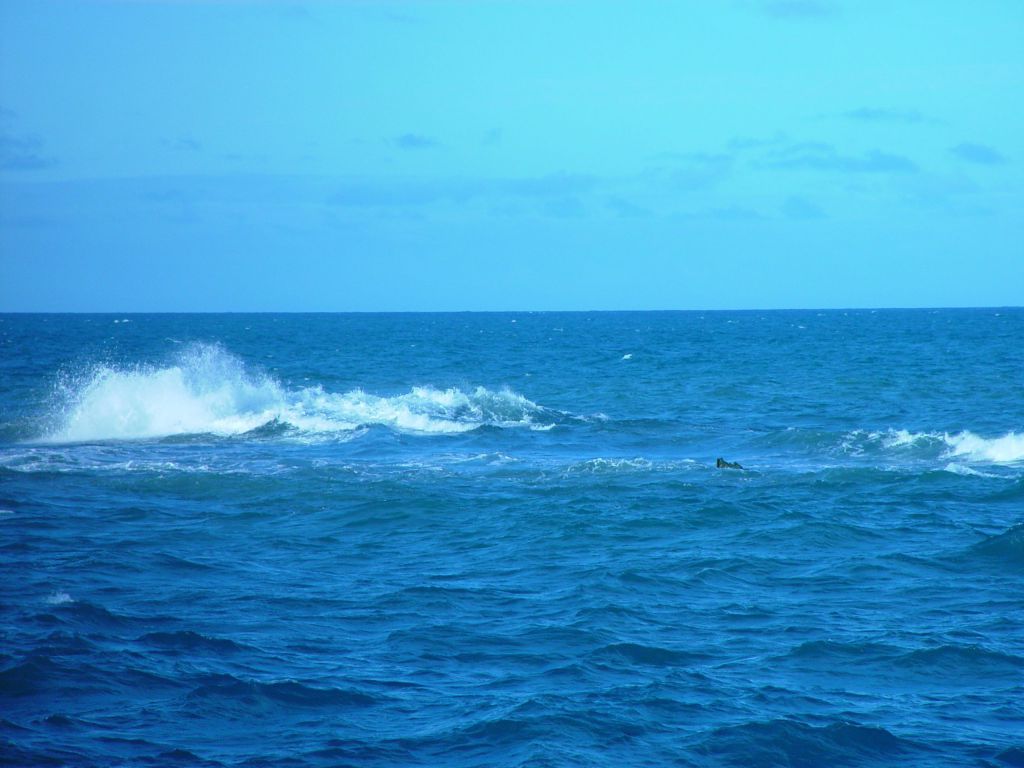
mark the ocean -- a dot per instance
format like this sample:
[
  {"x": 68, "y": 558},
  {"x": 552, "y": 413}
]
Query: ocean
[{"x": 502, "y": 539}]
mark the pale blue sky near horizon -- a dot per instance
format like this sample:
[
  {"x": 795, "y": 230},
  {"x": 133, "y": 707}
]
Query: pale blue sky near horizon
[{"x": 191, "y": 155}]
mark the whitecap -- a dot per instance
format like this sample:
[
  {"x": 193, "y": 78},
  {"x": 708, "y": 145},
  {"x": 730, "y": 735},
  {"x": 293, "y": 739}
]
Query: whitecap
[
  {"x": 1000, "y": 450},
  {"x": 961, "y": 447},
  {"x": 899, "y": 438},
  {"x": 858, "y": 441},
  {"x": 209, "y": 391},
  {"x": 59, "y": 598}
]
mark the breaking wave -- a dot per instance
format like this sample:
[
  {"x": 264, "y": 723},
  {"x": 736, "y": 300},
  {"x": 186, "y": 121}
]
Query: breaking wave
[
  {"x": 1005, "y": 449},
  {"x": 210, "y": 391},
  {"x": 960, "y": 446}
]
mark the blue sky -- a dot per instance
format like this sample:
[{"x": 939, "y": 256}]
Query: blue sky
[{"x": 361, "y": 156}]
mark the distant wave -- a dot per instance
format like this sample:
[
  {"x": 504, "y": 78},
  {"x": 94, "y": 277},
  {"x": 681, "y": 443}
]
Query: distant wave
[
  {"x": 210, "y": 391},
  {"x": 963, "y": 446},
  {"x": 207, "y": 390}
]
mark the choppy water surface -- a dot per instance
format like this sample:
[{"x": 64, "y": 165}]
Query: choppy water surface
[{"x": 501, "y": 540}]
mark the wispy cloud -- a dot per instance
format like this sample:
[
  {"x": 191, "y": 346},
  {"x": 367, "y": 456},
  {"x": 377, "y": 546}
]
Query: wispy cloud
[
  {"x": 20, "y": 152},
  {"x": 951, "y": 194},
  {"x": 670, "y": 181},
  {"x": 739, "y": 143},
  {"x": 797, "y": 207},
  {"x": 722, "y": 213},
  {"x": 979, "y": 154},
  {"x": 877, "y": 115},
  {"x": 418, "y": 192},
  {"x": 415, "y": 141},
  {"x": 628, "y": 209},
  {"x": 564, "y": 208},
  {"x": 690, "y": 171},
  {"x": 819, "y": 156},
  {"x": 23, "y": 153}
]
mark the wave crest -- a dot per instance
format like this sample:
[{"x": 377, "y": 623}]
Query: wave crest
[
  {"x": 209, "y": 391},
  {"x": 1001, "y": 450},
  {"x": 963, "y": 446}
]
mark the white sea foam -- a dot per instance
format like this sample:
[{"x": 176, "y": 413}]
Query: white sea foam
[
  {"x": 210, "y": 391},
  {"x": 602, "y": 465},
  {"x": 1001, "y": 450},
  {"x": 482, "y": 458},
  {"x": 891, "y": 439},
  {"x": 963, "y": 446},
  {"x": 899, "y": 438},
  {"x": 59, "y": 598},
  {"x": 635, "y": 465}
]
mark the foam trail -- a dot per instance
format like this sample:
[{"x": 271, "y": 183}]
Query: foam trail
[
  {"x": 898, "y": 438},
  {"x": 964, "y": 470},
  {"x": 209, "y": 391}
]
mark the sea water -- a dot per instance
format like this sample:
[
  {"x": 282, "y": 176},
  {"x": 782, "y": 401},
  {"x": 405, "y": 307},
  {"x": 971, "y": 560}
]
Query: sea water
[{"x": 502, "y": 539}]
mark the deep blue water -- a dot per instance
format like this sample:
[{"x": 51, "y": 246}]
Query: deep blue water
[{"x": 501, "y": 539}]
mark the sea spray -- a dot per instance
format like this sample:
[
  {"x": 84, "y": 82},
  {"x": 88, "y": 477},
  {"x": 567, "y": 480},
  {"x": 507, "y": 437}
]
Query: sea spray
[
  {"x": 208, "y": 390},
  {"x": 205, "y": 390},
  {"x": 1001, "y": 450}
]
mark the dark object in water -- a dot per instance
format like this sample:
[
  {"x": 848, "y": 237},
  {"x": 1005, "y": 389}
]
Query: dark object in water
[{"x": 723, "y": 464}]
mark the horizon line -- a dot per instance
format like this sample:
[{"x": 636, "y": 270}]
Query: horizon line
[{"x": 496, "y": 311}]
